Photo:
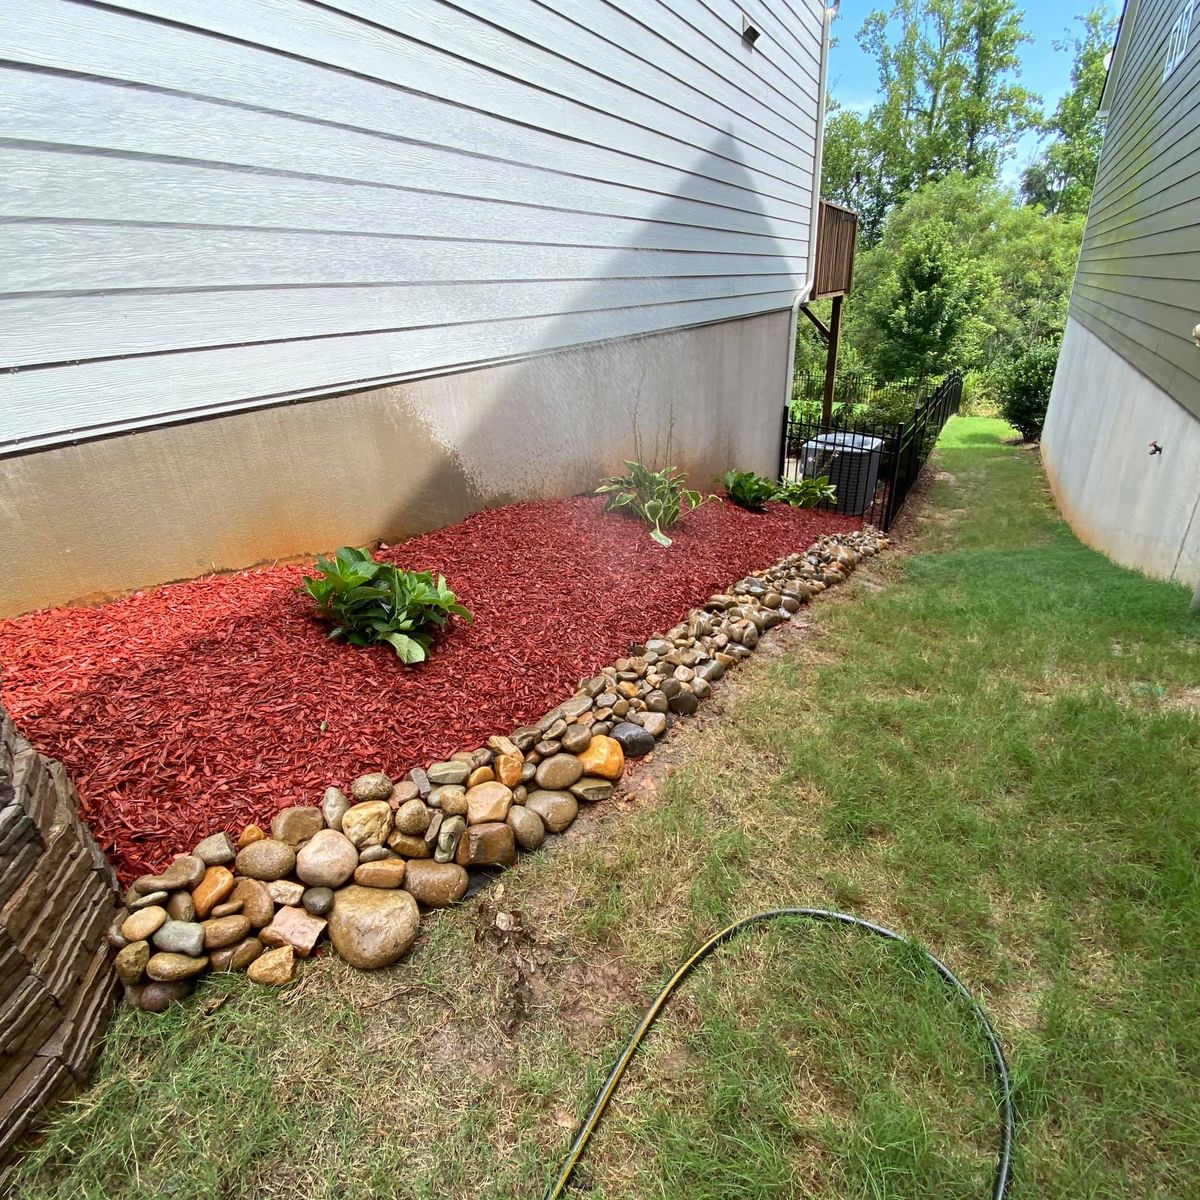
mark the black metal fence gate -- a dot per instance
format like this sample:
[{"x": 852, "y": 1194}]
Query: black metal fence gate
[{"x": 872, "y": 465}]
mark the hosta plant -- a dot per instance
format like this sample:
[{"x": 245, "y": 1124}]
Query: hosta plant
[
  {"x": 366, "y": 602},
  {"x": 748, "y": 490},
  {"x": 658, "y": 497},
  {"x": 806, "y": 493}
]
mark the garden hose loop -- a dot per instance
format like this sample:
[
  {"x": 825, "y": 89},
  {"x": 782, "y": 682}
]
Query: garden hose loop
[{"x": 1003, "y": 1177}]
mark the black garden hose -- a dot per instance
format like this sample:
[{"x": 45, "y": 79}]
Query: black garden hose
[{"x": 1003, "y": 1176}]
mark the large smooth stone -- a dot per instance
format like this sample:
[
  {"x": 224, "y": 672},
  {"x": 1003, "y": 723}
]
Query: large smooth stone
[
  {"x": 181, "y": 907},
  {"x": 327, "y": 859},
  {"x": 527, "y": 827},
  {"x": 158, "y": 997},
  {"x": 634, "y": 740},
  {"x": 267, "y": 860},
  {"x": 297, "y": 824},
  {"x": 216, "y": 886},
  {"x": 654, "y": 723},
  {"x": 184, "y": 872},
  {"x": 508, "y": 768},
  {"x": 169, "y": 968},
  {"x": 591, "y": 790},
  {"x": 372, "y": 927},
  {"x": 318, "y": 901},
  {"x": 386, "y": 873},
  {"x": 220, "y": 932},
  {"x": 333, "y": 807},
  {"x": 255, "y": 897},
  {"x": 558, "y": 771},
  {"x": 488, "y": 802},
  {"x": 448, "y": 772},
  {"x": 488, "y": 845},
  {"x": 435, "y": 884},
  {"x": 368, "y": 824},
  {"x": 141, "y": 925},
  {"x": 603, "y": 758},
  {"x": 131, "y": 961},
  {"x": 556, "y": 809},
  {"x": 180, "y": 937},
  {"x": 216, "y": 851},
  {"x": 373, "y": 786},
  {"x": 236, "y": 958},
  {"x": 412, "y": 818}
]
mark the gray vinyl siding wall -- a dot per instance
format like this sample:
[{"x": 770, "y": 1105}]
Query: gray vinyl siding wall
[
  {"x": 1138, "y": 283},
  {"x": 217, "y": 204}
]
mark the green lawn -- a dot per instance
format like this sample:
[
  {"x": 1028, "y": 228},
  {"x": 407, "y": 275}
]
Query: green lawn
[{"x": 991, "y": 744}]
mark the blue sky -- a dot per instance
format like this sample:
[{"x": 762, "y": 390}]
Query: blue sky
[{"x": 1044, "y": 70}]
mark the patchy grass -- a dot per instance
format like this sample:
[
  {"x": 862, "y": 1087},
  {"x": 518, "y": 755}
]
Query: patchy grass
[{"x": 995, "y": 752}]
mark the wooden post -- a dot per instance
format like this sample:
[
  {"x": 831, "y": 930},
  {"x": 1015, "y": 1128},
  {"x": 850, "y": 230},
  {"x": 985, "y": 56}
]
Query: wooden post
[{"x": 831, "y": 354}]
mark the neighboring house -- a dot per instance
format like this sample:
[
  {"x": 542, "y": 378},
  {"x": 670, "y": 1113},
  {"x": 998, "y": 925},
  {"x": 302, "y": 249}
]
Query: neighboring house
[
  {"x": 279, "y": 274},
  {"x": 1129, "y": 370}
]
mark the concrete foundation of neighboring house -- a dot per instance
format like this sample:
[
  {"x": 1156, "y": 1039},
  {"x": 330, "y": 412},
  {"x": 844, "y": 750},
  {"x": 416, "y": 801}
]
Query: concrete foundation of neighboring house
[
  {"x": 1142, "y": 510},
  {"x": 174, "y": 502}
]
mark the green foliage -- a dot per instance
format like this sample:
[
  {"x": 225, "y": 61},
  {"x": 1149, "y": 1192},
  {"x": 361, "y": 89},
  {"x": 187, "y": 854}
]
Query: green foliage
[
  {"x": 948, "y": 103},
  {"x": 368, "y": 602},
  {"x": 806, "y": 493},
  {"x": 1027, "y": 385},
  {"x": 1060, "y": 180},
  {"x": 658, "y": 497},
  {"x": 982, "y": 392},
  {"x": 1018, "y": 262},
  {"x": 748, "y": 490},
  {"x": 751, "y": 491},
  {"x": 923, "y": 315}
]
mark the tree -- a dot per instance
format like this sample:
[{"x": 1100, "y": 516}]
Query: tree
[
  {"x": 1030, "y": 255},
  {"x": 948, "y": 103},
  {"x": 923, "y": 315},
  {"x": 1061, "y": 178}
]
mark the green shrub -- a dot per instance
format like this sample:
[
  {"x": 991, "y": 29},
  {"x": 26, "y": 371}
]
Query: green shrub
[
  {"x": 368, "y": 602},
  {"x": 658, "y": 497},
  {"x": 1027, "y": 385},
  {"x": 806, "y": 493},
  {"x": 748, "y": 490},
  {"x": 983, "y": 391}
]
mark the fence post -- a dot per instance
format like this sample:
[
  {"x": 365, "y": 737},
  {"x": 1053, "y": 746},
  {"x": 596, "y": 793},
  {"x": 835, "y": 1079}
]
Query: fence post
[{"x": 783, "y": 441}]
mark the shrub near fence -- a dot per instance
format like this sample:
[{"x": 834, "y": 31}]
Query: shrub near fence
[{"x": 872, "y": 463}]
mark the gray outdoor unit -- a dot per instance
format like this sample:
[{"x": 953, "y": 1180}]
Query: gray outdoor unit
[{"x": 851, "y": 460}]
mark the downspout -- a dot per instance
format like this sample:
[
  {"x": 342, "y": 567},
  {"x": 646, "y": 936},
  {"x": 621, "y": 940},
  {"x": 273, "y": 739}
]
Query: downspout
[{"x": 802, "y": 295}]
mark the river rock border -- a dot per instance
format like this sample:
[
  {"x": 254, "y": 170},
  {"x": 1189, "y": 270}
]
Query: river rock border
[
  {"x": 57, "y": 896},
  {"x": 360, "y": 868}
]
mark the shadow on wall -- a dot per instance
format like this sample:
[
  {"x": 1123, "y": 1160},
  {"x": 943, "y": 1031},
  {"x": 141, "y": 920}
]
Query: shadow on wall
[
  {"x": 179, "y": 501},
  {"x": 554, "y": 424}
]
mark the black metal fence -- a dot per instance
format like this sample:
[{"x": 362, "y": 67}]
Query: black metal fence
[
  {"x": 872, "y": 464},
  {"x": 855, "y": 388}
]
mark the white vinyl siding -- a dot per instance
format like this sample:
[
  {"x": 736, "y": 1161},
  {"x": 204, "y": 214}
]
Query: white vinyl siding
[{"x": 213, "y": 204}]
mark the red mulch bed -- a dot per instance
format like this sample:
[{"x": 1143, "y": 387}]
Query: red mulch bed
[{"x": 204, "y": 705}]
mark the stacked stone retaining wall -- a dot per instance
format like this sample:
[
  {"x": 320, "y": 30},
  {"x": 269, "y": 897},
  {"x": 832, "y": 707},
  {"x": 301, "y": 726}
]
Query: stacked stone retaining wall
[{"x": 58, "y": 895}]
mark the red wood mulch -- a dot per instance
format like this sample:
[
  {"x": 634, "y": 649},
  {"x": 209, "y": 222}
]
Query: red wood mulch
[{"x": 204, "y": 705}]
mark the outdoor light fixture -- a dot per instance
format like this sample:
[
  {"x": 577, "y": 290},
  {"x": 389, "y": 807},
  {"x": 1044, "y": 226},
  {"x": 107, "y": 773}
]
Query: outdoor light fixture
[{"x": 750, "y": 33}]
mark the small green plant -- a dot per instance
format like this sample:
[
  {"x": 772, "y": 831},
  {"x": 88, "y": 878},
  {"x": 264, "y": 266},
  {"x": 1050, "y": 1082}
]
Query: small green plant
[
  {"x": 1027, "y": 385},
  {"x": 658, "y": 497},
  {"x": 368, "y": 602},
  {"x": 806, "y": 493},
  {"x": 748, "y": 490}
]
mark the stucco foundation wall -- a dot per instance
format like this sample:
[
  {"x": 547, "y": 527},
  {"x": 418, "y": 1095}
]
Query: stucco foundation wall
[
  {"x": 175, "y": 502},
  {"x": 1142, "y": 510}
]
